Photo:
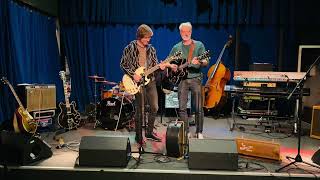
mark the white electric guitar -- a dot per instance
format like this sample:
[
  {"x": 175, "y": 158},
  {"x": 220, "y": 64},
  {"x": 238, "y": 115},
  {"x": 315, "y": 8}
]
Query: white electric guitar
[{"x": 133, "y": 87}]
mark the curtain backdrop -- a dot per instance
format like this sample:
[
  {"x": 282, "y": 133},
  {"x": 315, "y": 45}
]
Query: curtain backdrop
[
  {"x": 29, "y": 52},
  {"x": 95, "y": 32},
  {"x": 223, "y": 12}
]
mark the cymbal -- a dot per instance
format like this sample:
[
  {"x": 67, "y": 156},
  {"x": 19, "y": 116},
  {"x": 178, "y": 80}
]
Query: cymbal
[
  {"x": 107, "y": 82},
  {"x": 95, "y": 77}
]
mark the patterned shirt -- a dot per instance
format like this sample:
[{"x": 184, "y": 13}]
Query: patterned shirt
[{"x": 130, "y": 58}]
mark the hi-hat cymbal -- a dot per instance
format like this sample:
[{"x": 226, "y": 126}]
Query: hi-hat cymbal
[
  {"x": 95, "y": 77},
  {"x": 107, "y": 82}
]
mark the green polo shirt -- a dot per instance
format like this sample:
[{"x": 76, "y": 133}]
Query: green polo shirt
[{"x": 193, "y": 69}]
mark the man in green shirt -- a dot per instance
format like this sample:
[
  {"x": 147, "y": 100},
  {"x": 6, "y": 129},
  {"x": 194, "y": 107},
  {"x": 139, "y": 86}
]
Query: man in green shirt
[{"x": 191, "y": 49}]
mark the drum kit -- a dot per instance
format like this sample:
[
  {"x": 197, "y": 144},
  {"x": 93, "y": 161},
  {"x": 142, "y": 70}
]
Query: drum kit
[{"x": 115, "y": 108}]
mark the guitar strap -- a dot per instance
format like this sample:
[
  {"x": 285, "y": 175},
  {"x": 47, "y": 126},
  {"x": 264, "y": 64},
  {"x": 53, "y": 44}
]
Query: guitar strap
[{"x": 190, "y": 51}]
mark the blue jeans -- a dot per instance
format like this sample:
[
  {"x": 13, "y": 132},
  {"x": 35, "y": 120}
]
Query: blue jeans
[
  {"x": 151, "y": 99},
  {"x": 193, "y": 85}
]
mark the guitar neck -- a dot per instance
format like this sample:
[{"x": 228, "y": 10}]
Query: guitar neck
[
  {"x": 156, "y": 67},
  {"x": 151, "y": 70},
  {"x": 217, "y": 63},
  {"x": 16, "y": 96},
  {"x": 66, "y": 98}
]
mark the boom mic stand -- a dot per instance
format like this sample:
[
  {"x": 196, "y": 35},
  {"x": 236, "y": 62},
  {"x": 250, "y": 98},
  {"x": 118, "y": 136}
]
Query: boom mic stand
[{"x": 299, "y": 86}]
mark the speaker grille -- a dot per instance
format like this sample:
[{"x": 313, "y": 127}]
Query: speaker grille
[{"x": 40, "y": 97}]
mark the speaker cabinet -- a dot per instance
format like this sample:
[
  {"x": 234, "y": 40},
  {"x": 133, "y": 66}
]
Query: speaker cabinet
[
  {"x": 38, "y": 97},
  {"x": 213, "y": 154},
  {"x": 104, "y": 151},
  {"x": 20, "y": 149},
  {"x": 315, "y": 122},
  {"x": 316, "y": 157}
]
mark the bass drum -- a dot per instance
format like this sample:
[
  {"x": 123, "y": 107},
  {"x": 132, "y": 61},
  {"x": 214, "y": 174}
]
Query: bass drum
[
  {"x": 108, "y": 113},
  {"x": 175, "y": 138}
]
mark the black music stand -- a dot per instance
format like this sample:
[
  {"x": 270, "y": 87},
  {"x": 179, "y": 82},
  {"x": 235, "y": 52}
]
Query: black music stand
[{"x": 299, "y": 86}]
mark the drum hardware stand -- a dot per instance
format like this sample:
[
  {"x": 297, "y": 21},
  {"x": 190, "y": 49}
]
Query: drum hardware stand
[
  {"x": 299, "y": 86},
  {"x": 95, "y": 105},
  {"x": 119, "y": 116}
]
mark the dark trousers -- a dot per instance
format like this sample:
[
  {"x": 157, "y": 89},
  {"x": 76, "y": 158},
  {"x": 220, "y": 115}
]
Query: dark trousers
[
  {"x": 151, "y": 99},
  {"x": 193, "y": 85}
]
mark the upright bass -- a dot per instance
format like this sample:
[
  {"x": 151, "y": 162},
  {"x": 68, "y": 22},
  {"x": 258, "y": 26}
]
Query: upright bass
[{"x": 218, "y": 76}]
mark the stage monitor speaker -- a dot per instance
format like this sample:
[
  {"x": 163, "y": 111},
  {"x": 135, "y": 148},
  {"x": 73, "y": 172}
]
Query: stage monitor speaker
[
  {"x": 218, "y": 154},
  {"x": 104, "y": 151},
  {"x": 20, "y": 149},
  {"x": 316, "y": 157},
  {"x": 315, "y": 122},
  {"x": 38, "y": 97}
]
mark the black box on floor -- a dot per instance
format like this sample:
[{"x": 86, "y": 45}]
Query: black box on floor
[
  {"x": 104, "y": 151},
  {"x": 213, "y": 154}
]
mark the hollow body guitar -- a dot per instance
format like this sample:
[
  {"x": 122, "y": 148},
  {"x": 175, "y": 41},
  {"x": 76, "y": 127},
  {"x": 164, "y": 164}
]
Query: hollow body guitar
[
  {"x": 69, "y": 117},
  {"x": 23, "y": 122},
  {"x": 182, "y": 72},
  {"x": 133, "y": 87}
]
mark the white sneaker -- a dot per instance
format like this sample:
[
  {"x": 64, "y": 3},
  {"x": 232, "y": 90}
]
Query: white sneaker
[
  {"x": 200, "y": 136},
  {"x": 189, "y": 135}
]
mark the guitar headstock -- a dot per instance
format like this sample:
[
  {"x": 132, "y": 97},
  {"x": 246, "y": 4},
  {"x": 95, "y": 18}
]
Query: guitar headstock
[
  {"x": 62, "y": 75},
  {"x": 175, "y": 56},
  {"x": 5, "y": 80}
]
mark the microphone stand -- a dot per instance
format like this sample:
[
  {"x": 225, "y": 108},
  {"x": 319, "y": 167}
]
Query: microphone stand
[
  {"x": 143, "y": 118},
  {"x": 299, "y": 86}
]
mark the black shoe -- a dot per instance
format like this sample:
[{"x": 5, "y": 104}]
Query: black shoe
[{"x": 153, "y": 137}]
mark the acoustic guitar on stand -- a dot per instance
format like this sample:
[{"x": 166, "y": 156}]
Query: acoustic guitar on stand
[
  {"x": 23, "y": 122},
  {"x": 133, "y": 87}
]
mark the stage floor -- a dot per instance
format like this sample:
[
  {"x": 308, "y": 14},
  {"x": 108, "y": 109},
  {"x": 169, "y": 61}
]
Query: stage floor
[{"x": 66, "y": 159}]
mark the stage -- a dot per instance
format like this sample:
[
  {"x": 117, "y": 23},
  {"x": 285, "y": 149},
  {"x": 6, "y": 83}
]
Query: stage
[{"x": 64, "y": 162}]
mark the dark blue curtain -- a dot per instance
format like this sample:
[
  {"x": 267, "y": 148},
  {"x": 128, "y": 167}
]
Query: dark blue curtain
[
  {"x": 29, "y": 52},
  {"x": 234, "y": 12}
]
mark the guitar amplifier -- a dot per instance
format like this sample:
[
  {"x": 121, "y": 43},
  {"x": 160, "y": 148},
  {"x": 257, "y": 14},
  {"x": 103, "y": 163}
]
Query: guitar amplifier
[
  {"x": 38, "y": 97},
  {"x": 315, "y": 122}
]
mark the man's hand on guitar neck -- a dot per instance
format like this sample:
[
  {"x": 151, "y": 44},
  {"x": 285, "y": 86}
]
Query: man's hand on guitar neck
[
  {"x": 196, "y": 61},
  {"x": 162, "y": 66}
]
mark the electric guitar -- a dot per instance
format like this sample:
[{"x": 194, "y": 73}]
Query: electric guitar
[
  {"x": 182, "y": 72},
  {"x": 133, "y": 87},
  {"x": 68, "y": 117},
  {"x": 23, "y": 122}
]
